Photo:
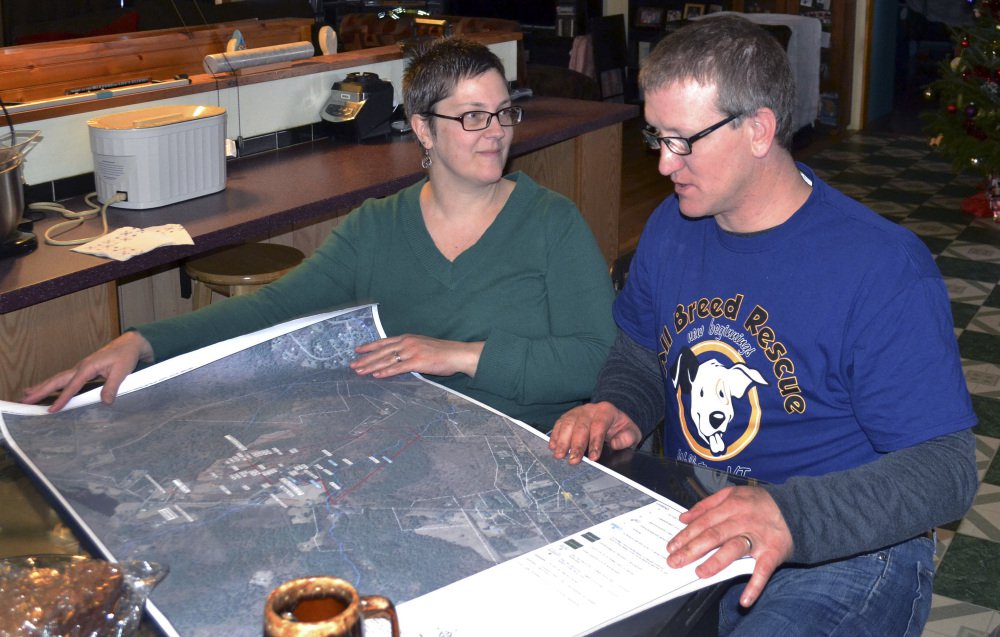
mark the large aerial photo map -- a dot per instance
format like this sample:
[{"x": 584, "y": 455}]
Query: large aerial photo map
[{"x": 252, "y": 467}]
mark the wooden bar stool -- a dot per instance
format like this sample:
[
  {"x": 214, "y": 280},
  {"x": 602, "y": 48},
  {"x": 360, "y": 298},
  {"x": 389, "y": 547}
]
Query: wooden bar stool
[{"x": 240, "y": 270}]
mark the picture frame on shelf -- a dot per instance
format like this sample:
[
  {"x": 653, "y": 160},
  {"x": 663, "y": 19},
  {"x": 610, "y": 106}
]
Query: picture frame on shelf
[
  {"x": 692, "y": 10},
  {"x": 673, "y": 15},
  {"x": 649, "y": 17}
]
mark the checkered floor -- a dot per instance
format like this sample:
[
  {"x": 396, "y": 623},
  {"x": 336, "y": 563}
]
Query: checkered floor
[{"x": 901, "y": 178}]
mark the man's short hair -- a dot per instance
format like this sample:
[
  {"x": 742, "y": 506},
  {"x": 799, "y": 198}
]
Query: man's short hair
[
  {"x": 436, "y": 69},
  {"x": 746, "y": 64}
]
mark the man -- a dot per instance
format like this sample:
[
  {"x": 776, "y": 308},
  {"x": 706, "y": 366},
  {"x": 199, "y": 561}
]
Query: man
[{"x": 786, "y": 333}]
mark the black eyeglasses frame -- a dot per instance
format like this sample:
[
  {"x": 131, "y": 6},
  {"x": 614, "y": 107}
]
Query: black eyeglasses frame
[
  {"x": 518, "y": 112},
  {"x": 654, "y": 143}
]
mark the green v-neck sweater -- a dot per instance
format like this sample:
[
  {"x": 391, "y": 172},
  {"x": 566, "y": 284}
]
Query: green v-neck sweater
[{"x": 534, "y": 287}]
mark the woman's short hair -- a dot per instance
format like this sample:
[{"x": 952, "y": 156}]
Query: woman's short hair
[
  {"x": 436, "y": 69},
  {"x": 746, "y": 64}
]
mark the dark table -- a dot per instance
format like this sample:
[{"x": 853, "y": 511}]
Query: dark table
[
  {"x": 696, "y": 614},
  {"x": 692, "y": 615}
]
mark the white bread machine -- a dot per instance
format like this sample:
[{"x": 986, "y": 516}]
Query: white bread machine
[{"x": 159, "y": 155}]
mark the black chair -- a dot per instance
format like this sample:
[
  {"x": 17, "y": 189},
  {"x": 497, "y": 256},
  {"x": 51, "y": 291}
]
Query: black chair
[{"x": 619, "y": 271}]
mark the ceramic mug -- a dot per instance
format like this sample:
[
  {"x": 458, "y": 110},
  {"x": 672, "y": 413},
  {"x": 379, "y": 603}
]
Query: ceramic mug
[{"x": 323, "y": 606}]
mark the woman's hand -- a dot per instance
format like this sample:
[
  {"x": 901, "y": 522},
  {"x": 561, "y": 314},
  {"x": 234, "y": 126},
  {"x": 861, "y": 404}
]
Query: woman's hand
[
  {"x": 114, "y": 362},
  {"x": 413, "y": 353}
]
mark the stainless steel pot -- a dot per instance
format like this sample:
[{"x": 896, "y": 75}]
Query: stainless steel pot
[
  {"x": 13, "y": 147},
  {"x": 11, "y": 196}
]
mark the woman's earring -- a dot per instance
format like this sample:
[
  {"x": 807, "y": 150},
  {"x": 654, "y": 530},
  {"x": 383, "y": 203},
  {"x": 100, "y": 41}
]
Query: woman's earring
[{"x": 426, "y": 162}]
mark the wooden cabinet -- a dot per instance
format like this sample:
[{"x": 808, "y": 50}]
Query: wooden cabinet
[{"x": 40, "y": 340}]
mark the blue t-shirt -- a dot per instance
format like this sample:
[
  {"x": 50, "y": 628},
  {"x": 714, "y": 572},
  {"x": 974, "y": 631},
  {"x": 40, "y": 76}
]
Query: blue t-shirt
[{"x": 810, "y": 348}]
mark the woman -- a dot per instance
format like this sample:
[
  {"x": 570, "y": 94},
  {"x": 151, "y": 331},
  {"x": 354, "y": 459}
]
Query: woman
[{"x": 490, "y": 285}]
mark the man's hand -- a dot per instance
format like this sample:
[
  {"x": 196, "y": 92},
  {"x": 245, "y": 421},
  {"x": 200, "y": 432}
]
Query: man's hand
[
  {"x": 414, "y": 353},
  {"x": 586, "y": 428},
  {"x": 114, "y": 362},
  {"x": 738, "y": 521}
]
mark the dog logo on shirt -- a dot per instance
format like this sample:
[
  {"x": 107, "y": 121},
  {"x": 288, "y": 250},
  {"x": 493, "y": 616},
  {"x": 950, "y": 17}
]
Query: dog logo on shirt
[{"x": 713, "y": 388}]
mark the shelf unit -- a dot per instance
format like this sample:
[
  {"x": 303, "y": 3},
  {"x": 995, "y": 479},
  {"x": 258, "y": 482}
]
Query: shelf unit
[{"x": 837, "y": 59}]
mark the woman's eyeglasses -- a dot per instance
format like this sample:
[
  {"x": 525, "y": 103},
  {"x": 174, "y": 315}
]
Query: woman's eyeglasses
[
  {"x": 480, "y": 120},
  {"x": 680, "y": 145}
]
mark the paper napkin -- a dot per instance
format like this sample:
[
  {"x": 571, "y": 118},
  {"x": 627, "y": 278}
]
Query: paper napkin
[{"x": 125, "y": 243}]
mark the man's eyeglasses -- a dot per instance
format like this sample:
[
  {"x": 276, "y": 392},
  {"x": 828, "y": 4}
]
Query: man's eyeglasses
[
  {"x": 480, "y": 120},
  {"x": 680, "y": 145}
]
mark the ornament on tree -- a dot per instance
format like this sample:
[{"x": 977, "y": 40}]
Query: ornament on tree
[{"x": 971, "y": 110}]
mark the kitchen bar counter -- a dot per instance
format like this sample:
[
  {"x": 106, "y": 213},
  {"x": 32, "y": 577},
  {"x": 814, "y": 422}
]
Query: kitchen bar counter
[
  {"x": 57, "y": 305},
  {"x": 272, "y": 191}
]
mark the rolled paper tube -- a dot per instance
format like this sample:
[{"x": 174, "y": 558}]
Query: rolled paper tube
[{"x": 226, "y": 62}]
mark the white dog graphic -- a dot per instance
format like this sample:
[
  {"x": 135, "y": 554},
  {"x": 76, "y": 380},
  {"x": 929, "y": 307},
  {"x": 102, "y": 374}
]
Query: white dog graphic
[{"x": 712, "y": 387}]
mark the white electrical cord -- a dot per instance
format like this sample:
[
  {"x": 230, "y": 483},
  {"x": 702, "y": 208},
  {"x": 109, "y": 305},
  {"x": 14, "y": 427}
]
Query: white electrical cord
[{"x": 76, "y": 218}]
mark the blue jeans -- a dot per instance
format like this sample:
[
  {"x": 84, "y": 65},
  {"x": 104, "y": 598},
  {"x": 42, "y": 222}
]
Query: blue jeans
[{"x": 886, "y": 593}]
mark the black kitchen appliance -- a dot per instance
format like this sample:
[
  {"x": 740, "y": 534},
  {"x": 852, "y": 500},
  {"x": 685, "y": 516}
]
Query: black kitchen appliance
[{"x": 360, "y": 107}]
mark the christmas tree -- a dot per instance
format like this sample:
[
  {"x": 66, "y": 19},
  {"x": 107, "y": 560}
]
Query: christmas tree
[{"x": 966, "y": 125}]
